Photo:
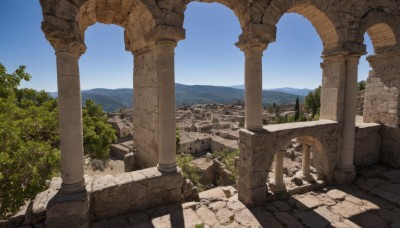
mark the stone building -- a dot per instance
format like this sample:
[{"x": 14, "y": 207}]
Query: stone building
[{"x": 153, "y": 29}]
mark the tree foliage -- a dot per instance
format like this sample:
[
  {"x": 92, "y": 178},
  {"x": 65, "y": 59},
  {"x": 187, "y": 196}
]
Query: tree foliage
[
  {"x": 361, "y": 85},
  {"x": 189, "y": 170},
  {"x": 29, "y": 141},
  {"x": 297, "y": 110},
  {"x": 312, "y": 102},
  {"x": 97, "y": 133}
]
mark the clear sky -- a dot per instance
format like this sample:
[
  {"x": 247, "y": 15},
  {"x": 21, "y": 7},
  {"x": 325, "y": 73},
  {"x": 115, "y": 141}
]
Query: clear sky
[{"x": 207, "y": 56}]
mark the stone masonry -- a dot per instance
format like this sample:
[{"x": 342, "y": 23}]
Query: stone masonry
[{"x": 153, "y": 29}]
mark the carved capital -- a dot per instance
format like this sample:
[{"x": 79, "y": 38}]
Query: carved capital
[
  {"x": 256, "y": 37},
  {"x": 65, "y": 47},
  {"x": 165, "y": 32},
  {"x": 166, "y": 46}
]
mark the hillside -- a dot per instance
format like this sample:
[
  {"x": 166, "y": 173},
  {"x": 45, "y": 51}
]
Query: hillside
[
  {"x": 294, "y": 91},
  {"x": 113, "y": 99}
]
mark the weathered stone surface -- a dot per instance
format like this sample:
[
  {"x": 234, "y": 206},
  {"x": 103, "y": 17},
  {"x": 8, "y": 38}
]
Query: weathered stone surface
[
  {"x": 346, "y": 209},
  {"x": 311, "y": 219},
  {"x": 282, "y": 206},
  {"x": 207, "y": 216},
  {"x": 246, "y": 218},
  {"x": 288, "y": 220},
  {"x": 308, "y": 202},
  {"x": 336, "y": 194},
  {"x": 151, "y": 188}
]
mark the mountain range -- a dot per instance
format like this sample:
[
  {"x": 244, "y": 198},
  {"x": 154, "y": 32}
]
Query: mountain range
[
  {"x": 114, "y": 99},
  {"x": 295, "y": 91}
]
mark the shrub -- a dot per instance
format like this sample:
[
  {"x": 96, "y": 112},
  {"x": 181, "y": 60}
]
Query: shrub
[
  {"x": 228, "y": 158},
  {"x": 189, "y": 170}
]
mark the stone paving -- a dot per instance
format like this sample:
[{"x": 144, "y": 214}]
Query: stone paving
[{"x": 373, "y": 201}]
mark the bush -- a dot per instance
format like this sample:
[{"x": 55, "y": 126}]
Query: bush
[
  {"x": 190, "y": 171},
  {"x": 228, "y": 158}
]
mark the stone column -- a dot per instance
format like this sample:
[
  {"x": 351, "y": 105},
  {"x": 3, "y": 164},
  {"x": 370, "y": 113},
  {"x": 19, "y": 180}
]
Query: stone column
[
  {"x": 166, "y": 102},
  {"x": 253, "y": 83},
  {"x": 349, "y": 114},
  {"x": 70, "y": 120},
  {"x": 345, "y": 172},
  {"x": 279, "y": 184},
  {"x": 305, "y": 166}
]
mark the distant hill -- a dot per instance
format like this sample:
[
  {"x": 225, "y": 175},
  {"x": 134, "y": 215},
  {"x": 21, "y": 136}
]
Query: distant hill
[
  {"x": 294, "y": 91},
  {"x": 114, "y": 99}
]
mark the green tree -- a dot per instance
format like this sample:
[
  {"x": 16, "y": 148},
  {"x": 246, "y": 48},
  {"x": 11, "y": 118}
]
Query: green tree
[
  {"x": 297, "y": 110},
  {"x": 97, "y": 133},
  {"x": 29, "y": 141},
  {"x": 312, "y": 102}
]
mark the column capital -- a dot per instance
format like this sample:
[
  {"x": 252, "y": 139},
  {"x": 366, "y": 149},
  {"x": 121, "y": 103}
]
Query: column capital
[
  {"x": 251, "y": 45},
  {"x": 166, "y": 46},
  {"x": 65, "y": 47},
  {"x": 165, "y": 32}
]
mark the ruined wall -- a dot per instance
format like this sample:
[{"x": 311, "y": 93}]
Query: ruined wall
[
  {"x": 145, "y": 122},
  {"x": 382, "y": 103},
  {"x": 367, "y": 144}
]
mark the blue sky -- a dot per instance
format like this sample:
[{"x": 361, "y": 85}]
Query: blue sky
[{"x": 207, "y": 56}]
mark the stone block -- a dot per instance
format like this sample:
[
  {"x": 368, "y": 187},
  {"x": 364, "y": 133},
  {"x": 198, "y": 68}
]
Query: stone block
[{"x": 70, "y": 210}]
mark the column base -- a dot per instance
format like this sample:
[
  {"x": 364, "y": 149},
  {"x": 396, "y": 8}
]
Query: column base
[
  {"x": 70, "y": 210},
  {"x": 344, "y": 177},
  {"x": 306, "y": 177},
  {"x": 277, "y": 188},
  {"x": 73, "y": 188},
  {"x": 167, "y": 168}
]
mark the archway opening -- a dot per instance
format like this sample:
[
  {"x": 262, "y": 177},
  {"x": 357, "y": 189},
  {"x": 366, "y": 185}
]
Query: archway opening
[
  {"x": 292, "y": 65},
  {"x": 297, "y": 166},
  {"x": 106, "y": 71},
  {"x": 379, "y": 39},
  {"x": 209, "y": 76}
]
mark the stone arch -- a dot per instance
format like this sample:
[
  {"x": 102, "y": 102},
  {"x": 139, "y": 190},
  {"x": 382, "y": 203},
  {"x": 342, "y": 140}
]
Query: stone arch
[
  {"x": 238, "y": 7},
  {"x": 66, "y": 21},
  {"x": 319, "y": 151},
  {"x": 321, "y": 20},
  {"x": 382, "y": 29},
  {"x": 133, "y": 15}
]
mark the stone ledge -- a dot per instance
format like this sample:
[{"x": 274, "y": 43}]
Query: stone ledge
[{"x": 128, "y": 192}]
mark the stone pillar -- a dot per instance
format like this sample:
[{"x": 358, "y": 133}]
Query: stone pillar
[
  {"x": 305, "y": 166},
  {"x": 71, "y": 207},
  {"x": 345, "y": 172},
  {"x": 70, "y": 121},
  {"x": 166, "y": 102},
  {"x": 279, "y": 184},
  {"x": 332, "y": 89},
  {"x": 253, "y": 83}
]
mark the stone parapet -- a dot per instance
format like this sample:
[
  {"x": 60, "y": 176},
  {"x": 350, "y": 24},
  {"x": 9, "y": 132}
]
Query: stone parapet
[{"x": 117, "y": 195}]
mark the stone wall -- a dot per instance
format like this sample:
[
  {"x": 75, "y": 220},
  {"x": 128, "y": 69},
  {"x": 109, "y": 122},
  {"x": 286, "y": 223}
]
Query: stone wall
[
  {"x": 116, "y": 195},
  {"x": 145, "y": 121},
  {"x": 257, "y": 150},
  {"x": 367, "y": 144},
  {"x": 106, "y": 197}
]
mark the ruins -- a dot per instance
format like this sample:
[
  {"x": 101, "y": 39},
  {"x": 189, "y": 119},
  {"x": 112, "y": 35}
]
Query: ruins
[{"x": 153, "y": 29}]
